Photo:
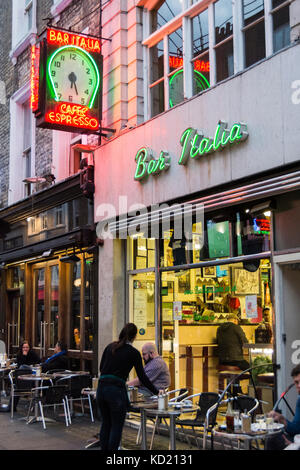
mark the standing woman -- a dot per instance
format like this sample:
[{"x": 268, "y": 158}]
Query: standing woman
[{"x": 117, "y": 361}]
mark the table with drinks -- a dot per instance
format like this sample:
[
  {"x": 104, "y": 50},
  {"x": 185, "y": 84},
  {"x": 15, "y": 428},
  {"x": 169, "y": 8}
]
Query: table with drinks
[{"x": 239, "y": 427}]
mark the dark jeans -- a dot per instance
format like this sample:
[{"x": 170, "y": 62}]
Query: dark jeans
[{"x": 112, "y": 401}]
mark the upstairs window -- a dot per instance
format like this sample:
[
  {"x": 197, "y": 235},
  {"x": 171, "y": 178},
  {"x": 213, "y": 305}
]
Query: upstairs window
[{"x": 254, "y": 31}]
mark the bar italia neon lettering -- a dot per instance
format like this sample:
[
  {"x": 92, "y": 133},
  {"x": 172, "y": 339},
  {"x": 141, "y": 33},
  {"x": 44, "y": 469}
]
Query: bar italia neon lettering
[
  {"x": 148, "y": 165},
  {"x": 34, "y": 78},
  {"x": 62, "y": 38},
  {"x": 200, "y": 65},
  {"x": 72, "y": 115},
  {"x": 195, "y": 145}
]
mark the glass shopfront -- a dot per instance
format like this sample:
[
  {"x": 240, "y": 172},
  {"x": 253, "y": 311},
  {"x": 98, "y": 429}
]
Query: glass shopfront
[{"x": 180, "y": 291}]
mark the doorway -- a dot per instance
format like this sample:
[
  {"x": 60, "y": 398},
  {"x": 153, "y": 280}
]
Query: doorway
[{"x": 45, "y": 297}]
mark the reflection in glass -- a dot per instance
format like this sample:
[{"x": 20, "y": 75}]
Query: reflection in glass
[
  {"x": 224, "y": 60},
  {"x": 200, "y": 33},
  {"x": 252, "y": 10},
  {"x": 39, "y": 303},
  {"x": 223, "y": 20},
  {"x": 157, "y": 99},
  {"x": 281, "y": 25},
  {"x": 165, "y": 13},
  {"x": 89, "y": 304},
  {"x": 54, "y": 294},
  {"x": 75, "y": 306},
  {"x": 157, "y": 62}
]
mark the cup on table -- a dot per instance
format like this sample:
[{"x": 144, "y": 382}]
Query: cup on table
[
  {"x": 95, "y": 383},
  {"x": 236, "y": 420},
  {"x": 269, "y": 423},
  {"x": 260, "y": 419}
]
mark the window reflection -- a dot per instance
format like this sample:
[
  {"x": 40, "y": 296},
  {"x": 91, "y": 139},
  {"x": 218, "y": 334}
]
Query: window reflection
[
  {"x": 75, "y": 306},
  {"x": 89, "y": 304},
  {"x": 165, "y": 13}
]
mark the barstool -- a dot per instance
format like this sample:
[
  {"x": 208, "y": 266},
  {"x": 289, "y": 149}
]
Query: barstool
[{"x": 229, "y": 373}]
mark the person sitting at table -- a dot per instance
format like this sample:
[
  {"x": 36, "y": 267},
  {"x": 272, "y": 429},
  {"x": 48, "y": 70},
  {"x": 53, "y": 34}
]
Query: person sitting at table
[
  {"x": 291, "y": 428},
  {"x": 59, "y": 360},
  {"x": 116, "y": 363},
  {"x": 230, "y": 340},
  {"x": 155, "y": 368},
  {"x": 26, "y": 356}
]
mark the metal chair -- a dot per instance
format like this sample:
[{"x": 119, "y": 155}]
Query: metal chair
[
  {"x": 49, "y": 396},
  {"x": 18, "y": 388},
  {"x": 205, "y": 402},
  {"x": 75, "y": 384}
]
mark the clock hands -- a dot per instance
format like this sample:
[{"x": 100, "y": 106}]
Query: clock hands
[{"x": 72, "y": 77}]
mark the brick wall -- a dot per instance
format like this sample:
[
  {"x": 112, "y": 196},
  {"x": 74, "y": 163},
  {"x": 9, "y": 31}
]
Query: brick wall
[{"x": 7, "y": 79}]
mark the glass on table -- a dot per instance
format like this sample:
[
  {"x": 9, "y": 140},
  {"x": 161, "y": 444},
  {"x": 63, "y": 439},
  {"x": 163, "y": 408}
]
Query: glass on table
[
  {"x": 236, "y": 420},
  {"x": 260, "y": 419},
  {"x": 269, "y": 423}
]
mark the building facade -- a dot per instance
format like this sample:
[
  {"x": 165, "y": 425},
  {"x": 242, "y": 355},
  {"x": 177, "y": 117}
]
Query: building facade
[
  {"x": 48, "y": 256},
  {"x": 212, "y": 126}
]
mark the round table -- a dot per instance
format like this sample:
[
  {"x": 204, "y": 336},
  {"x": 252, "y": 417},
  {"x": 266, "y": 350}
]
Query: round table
[
  {"x": 37, "y": 379},
  {"x": 248, "y": 437}
]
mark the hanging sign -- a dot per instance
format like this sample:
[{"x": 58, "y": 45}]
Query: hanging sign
[{"x": 66, "y": 82}]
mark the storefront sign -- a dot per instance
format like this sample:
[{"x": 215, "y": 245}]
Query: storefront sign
[
  {"x": 194, "y": 145},
  {"x": 147, "y": 165},
  {"x": 67, "y": 82}
]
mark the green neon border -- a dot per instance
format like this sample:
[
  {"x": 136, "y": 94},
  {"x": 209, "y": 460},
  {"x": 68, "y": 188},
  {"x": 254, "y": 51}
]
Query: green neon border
[
  {"x": 201, "y": 77},
  {"x": 58, "y": 51}
]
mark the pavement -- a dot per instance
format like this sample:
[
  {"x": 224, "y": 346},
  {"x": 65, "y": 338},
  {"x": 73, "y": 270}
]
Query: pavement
[{"x": 16, "y": 434}]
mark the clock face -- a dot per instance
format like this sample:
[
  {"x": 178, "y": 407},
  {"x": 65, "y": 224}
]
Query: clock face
[
  {"x": 176, "y": 95},
  {"x": 73, "y": 76}
]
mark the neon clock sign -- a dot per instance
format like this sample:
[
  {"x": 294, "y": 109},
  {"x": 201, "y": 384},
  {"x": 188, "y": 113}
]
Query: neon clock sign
[{"x": 70, "y": 84}]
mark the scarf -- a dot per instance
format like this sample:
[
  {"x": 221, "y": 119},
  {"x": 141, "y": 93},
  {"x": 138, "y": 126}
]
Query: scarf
[{"x": 55, "y": 355}]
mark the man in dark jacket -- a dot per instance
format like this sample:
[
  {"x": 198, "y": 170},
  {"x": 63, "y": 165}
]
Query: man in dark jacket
[
  {"x": 59, "y": 359},
  {"x": 230, "y": 339}
]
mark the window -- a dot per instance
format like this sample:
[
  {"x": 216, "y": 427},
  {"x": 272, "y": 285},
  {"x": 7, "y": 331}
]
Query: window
[
  {"x": 166, "y": 12},
  {"x": 59, "y": 216},
  {"x": 198, "y": 40},
  {"x": 254, "y": 31},
  {"x": 23, "y": 26},
  {"x": 27, "y": 147},
  {"x": 44, "y": 221},
  {"x": 223, "y": 39},
  {"x": 281, "y": 24},
  {"x": 200, "y": 62}
]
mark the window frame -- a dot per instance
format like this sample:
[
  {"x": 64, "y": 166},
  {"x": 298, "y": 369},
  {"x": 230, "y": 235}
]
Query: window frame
[{"x": 184, "y": 21}]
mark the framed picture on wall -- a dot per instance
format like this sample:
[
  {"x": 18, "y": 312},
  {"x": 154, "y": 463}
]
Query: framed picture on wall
[
  {"x": 245, "y": 282},
  {"x": 209, "y": 294},
  {"x": 209, "y": 271}
]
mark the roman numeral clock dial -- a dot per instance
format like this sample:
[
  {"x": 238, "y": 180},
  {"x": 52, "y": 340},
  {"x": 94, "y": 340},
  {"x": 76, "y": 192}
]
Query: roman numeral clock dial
[{"x": 73, "y": 76}]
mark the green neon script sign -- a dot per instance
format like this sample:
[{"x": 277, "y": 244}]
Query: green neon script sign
[
  {"x": 147, "y": 165},
  {"x": 195, "y": 144}
]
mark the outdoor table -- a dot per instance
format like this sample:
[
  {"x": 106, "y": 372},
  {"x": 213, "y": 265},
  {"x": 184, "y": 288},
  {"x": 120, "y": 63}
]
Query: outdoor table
[
  {"x": 37, "y": 379},
  {"x": 255, "y": 434},
  {"x": 71, "y": 372},
  {"x": 149, "y": 408}
]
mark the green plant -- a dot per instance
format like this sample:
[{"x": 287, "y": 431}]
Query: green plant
[{"x": 261, "y": 364}]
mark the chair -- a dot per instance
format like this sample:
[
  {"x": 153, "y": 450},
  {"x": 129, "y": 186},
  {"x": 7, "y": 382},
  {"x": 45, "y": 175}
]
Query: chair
[
  {"x": 75, "y": 383},
  {"x": 228, "y": 373},
  {"x": 205, "y": 402},
  {"x": 182, "y": 392},
  {"x": 18, "y": 388},
  {"x": 49, "y": 396}
]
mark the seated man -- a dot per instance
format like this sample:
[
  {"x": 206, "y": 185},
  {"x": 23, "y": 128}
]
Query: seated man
[
  {"x": 59, "y": 359},
  {"x": 291, "y": 427},
  {"x": 155, "y": 368},
  {"x": 230, "y": 340}
]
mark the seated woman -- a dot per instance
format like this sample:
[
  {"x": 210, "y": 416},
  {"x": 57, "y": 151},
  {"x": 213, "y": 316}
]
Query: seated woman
[
  {"x": 27, "y": 356},
  {"x": 59, "y": 360}
]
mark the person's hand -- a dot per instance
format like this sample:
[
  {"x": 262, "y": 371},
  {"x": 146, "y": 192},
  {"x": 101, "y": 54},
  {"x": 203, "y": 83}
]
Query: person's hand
[
  {"x": 286, "y": 440},
  {"x": 277, "y": 417}
]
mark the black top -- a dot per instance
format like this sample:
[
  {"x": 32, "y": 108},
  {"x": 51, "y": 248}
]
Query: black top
[
  {"x": 121, "y": 362},
  {"x": 28, "y": 359},
  {"x": 230, "y": 339},
  {"x": 58, "y": 362}
]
